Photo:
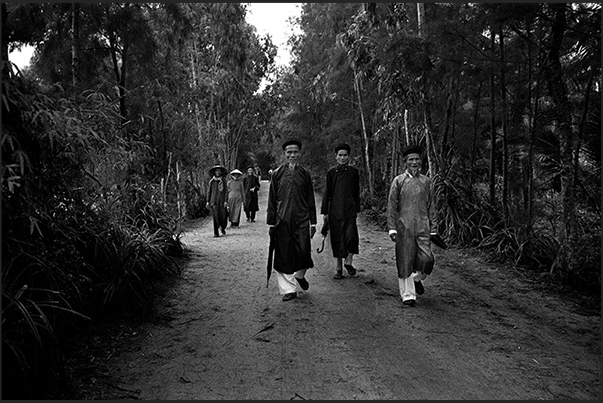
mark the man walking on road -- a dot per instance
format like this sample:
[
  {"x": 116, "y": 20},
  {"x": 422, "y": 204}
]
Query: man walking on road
[
  {"x": 340, "y": 207},
  {"x": 291, "y": 216},
  {"x": 251, "y": 185},
  {"x": 217, "y": 199},
  {"x": 411, "y": 219}
]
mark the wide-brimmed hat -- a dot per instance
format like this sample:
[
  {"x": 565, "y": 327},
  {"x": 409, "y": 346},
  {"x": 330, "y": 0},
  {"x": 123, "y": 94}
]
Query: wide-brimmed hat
[
  {"x": 412, "y": 149},
  {"x": 236, "y": 172},
  {"x": 212, "y": 170}
]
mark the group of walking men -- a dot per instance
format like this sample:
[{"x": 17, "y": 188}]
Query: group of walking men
[
  {"x": 226, "y": 198},
  {"x": 291, "y": 217}
]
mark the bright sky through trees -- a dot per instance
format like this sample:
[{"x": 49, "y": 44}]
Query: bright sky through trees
[{"x": 272, "y": 18}]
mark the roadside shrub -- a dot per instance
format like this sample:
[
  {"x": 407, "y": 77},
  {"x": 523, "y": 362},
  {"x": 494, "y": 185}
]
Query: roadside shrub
[
  {"x": 127, "y": 262},
  {"x": 57, "y": 220}
]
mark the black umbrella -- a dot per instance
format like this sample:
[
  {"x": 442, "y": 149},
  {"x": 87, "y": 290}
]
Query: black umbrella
[
  {"x": 438, "y": 241},
  {"x": 270, "y": 257},
  {"x": 324, "y": 231}
]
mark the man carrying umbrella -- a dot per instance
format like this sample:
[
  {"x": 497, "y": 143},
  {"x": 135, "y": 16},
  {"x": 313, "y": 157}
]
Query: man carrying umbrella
[
  {"x": 340, "y": 207},
  {"x": 291, "y": 216}
]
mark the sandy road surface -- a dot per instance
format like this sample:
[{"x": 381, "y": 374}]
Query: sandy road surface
[{"x": 480, "y": 331}]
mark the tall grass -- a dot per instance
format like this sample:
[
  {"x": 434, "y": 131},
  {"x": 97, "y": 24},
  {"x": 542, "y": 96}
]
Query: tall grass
[{"x": 73, "y": 249}]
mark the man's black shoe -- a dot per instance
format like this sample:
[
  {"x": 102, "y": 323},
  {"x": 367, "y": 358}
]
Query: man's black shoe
[
  {"x": 409, "y": 302},
  {"x": 289, "y": 296},
  {"x": 419, "y": 288},
  {"x": 303, "y": 283}
]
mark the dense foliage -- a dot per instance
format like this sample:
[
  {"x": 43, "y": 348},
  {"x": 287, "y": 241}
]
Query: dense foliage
[
  {"x": 106, "y": 142},
  {"x": 505, "y": 99},
  {"x": 108, "y": 136}
]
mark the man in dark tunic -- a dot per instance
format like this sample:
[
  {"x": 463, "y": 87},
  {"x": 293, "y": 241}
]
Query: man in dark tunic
[
  {"x": 217, "y": 199},
  {"x": 251, "y": 186},
  {"x": 411, "y": 219},
  {"x": 340, "y": 207},
  {"x": 291, "y": 216}
]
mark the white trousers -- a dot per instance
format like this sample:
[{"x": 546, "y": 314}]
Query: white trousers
[
  {"x": 287, "y": 282},
  {"x": 407, "y": 285}
]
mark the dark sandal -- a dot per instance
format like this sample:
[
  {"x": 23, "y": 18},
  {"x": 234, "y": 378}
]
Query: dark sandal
[
  {"x": 350, "y": 269},
  {"x": 338, "y": 276}
]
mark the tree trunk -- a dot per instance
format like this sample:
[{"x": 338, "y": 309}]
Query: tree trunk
[
  {"x": 563, "y": 117},
  {"x": 6, "y": 67},
  {"x": 475, "y": 126},
  {"x": 119, "y": 75},
  {"x": 504, "y": 125},
  {"x": 395, "y": 154},
  {"x": 420, "y": 18},
  {"x": 75, "y": 46},
  {"x": 532, "y": 113},
  {"x": 365, "y": 137},
  {"x": 406, "y": 132},
  {"x": 492, "y": 127}
]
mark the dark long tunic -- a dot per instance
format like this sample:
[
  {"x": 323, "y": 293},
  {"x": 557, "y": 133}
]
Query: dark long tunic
[
  {"x": 251, "y": 198},
  {"x": 292, "y": 209},
  {"x": 216, "y": 197},
  {"x": 341, "y": 202}
]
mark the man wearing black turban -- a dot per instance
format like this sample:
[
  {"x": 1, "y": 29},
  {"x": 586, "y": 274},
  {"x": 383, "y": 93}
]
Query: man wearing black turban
[
  {"x": 411, "y": 219},
  {"x": 291, "y": 216},
  {"x": 340, "y": 207}
]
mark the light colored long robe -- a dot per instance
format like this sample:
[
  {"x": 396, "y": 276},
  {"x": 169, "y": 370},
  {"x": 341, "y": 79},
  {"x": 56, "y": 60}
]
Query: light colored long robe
[
  {"x": 411, "y": 212},
  {"x": 235, "y": 200}
]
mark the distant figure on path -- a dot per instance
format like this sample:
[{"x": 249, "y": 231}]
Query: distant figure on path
[
  {"x": 291, "y": 216},
  {"x": 236, "y": 198},
  {"x": 411, "y": 219},
  {"x": 217, "y": 198},
  {"x": 340, "y": 207},
  {"x": 251, "y": 186}
]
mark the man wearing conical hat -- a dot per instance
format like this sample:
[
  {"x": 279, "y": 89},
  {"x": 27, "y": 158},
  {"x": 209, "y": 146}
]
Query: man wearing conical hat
[
  {"x": 411, "y": 219},
  {"x": 236, "y": 197},
  {"x": 217, "y": 198}
]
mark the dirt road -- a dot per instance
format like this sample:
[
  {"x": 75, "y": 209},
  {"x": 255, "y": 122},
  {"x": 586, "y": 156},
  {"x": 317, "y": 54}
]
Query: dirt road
[{"x": 480, "y": 331}]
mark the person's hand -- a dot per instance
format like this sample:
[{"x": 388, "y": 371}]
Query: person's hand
[
  {"x": 393, "y": 237},
  {"x": 272, "y": 231},
  {"x": 312, "y": 231}
]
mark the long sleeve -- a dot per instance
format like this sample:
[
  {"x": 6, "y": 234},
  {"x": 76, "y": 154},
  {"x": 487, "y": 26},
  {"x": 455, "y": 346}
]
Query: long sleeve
[
  {"x": 272, "y": 198},
  {"x": 432, "y": 210},
  {"x": 356, "y": 190},
  {"x": 326, "y": 199},
  {"x": 310, "y": 199},
  {"x": 392, "y": 205},
  {"x": 209, "y": 193}
]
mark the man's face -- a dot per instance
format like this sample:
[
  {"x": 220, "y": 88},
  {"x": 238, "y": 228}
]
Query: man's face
[
  {"x": 218, "y": 172},
  {"x": 292, "y": 153},
  {"x": 250, "y": 171},
  {"x": 413, "y": 163},
  {"x": 342, "y": 157}
]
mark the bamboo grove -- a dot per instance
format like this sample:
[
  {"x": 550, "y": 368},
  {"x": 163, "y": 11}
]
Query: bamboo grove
[{"x": 108, "y": 135}]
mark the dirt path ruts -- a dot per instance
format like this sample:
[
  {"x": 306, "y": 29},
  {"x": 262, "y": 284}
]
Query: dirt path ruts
[{"x": 480, "y": 331}]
